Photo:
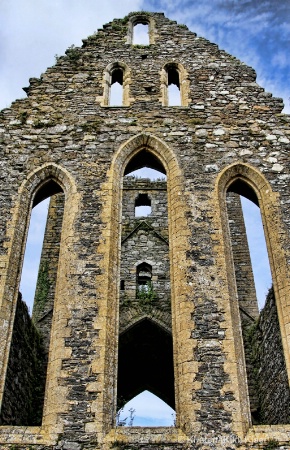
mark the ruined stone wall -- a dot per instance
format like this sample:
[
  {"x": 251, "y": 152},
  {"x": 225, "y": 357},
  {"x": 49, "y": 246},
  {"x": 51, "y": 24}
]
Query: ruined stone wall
[
  {"x": 145, "y": 240},
  {"x": 248, "y": 303},
  {"x": 46, "y": 281},
  {"x": 244, "y": 279},
  {"x": 228, "y": 127},
  {"x": 25, "y": 382},
  {"x": 157, "y": 193},
  {"x": 274, "y": 393}
]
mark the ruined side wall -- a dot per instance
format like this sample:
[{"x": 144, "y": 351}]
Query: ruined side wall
[
  {"x": 272, "y": 378},
  {"x": 242, "y": 261},
  {"x": 25, "y": 381},
  {"x": 47, "y": 274}
]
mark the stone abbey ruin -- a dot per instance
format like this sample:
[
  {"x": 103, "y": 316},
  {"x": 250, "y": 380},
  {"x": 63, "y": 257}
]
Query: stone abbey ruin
[{"x": 163, "y": 301}]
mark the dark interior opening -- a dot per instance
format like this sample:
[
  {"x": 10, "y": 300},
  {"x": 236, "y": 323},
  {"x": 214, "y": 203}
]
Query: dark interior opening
[
  {"x": 240, "y": 187},
  {"x": 117, "y": 76},
  {"x": 144, "y": 158},
  {"x": 173, "y": 75},
  {"x": 48, "y": 189},
  {"x": 143, "y": 200},
  {"x": 146, "y": 364}
]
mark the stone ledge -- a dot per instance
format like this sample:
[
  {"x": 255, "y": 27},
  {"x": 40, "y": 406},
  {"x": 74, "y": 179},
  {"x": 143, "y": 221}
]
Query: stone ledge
[
  {"x": 146, "y": 435},
  {"x": 262, "y": 433},
  {"x": 25, "y": 435}
]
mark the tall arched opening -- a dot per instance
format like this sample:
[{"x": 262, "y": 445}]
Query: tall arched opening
[
  {"x": 25, "y": 398},
  {"x": 145, "y": 353},
  {"x": 260, "y": 339},
  {"x": 146, "y": 150}
]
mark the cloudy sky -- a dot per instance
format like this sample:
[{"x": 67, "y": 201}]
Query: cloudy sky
[{"x": 32, "y": 32}]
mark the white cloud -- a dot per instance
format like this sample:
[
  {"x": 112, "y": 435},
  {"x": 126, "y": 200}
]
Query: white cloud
[
  {"x": 281, "y": 59},
  {"x": 33, "y": 31},
  {"x": 252, "y": 31}
]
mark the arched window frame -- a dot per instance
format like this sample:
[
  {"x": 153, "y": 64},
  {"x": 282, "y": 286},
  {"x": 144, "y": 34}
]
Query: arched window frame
[
  {"x": 268, "y": 202},
  {"x": 142, "y": 280},
  {"x": 184, "y": 84},
  {"x": 144, "y": 20},
  {"x": 179, "y": 247},
  {"x": 39, "y": 184},
  {"x": 107, "y": 83}
]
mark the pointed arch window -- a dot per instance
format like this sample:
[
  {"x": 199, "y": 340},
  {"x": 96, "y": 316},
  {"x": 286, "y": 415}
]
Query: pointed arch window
[
  {"x": 143, "y": 277},
  {"x": 174, "y": 85},
  {"x": 260, "y": 330},
  {"x": 116, "y": 85},
  {"x": 23, "y": 397},
  {"x": 145, "y": 305}
]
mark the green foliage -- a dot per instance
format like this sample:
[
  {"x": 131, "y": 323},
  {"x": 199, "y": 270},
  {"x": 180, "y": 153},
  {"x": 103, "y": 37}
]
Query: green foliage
[
  {"x": 140, "y": 46},
  {"x": 39, "y": 124},
  {"x": 126, "y": 302},
  {"x": 116, "y": 27},
  {"x": 146, "y": 294},
  {"x": 125, "y": 20},
  {"x": 140, "y": 13},
  {"x": 23, "y": 115},
  {"x": 73, "y": 53},
  {"x": 271, "y": 444},
  {"x": 43, "y": 285}
]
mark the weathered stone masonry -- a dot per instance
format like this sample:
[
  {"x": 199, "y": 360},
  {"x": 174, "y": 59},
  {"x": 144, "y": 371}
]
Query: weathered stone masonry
[
  {"x": 145, "y": 354},
  {"x": 228, "y": 135},
  {"x": 25, "y": 381}
]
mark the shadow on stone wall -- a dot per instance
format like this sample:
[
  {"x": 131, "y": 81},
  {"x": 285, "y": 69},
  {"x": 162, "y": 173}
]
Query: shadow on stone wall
[
  {"x": 266, "y": 369},
  {"x": 25, "y": 382}
]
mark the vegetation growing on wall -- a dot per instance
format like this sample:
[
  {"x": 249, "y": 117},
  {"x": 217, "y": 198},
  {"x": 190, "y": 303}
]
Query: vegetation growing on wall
[{"x": 42, "y": 287}]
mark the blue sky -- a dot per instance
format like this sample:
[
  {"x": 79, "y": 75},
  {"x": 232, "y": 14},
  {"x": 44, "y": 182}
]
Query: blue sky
[{"x": 32, "y": 32}]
